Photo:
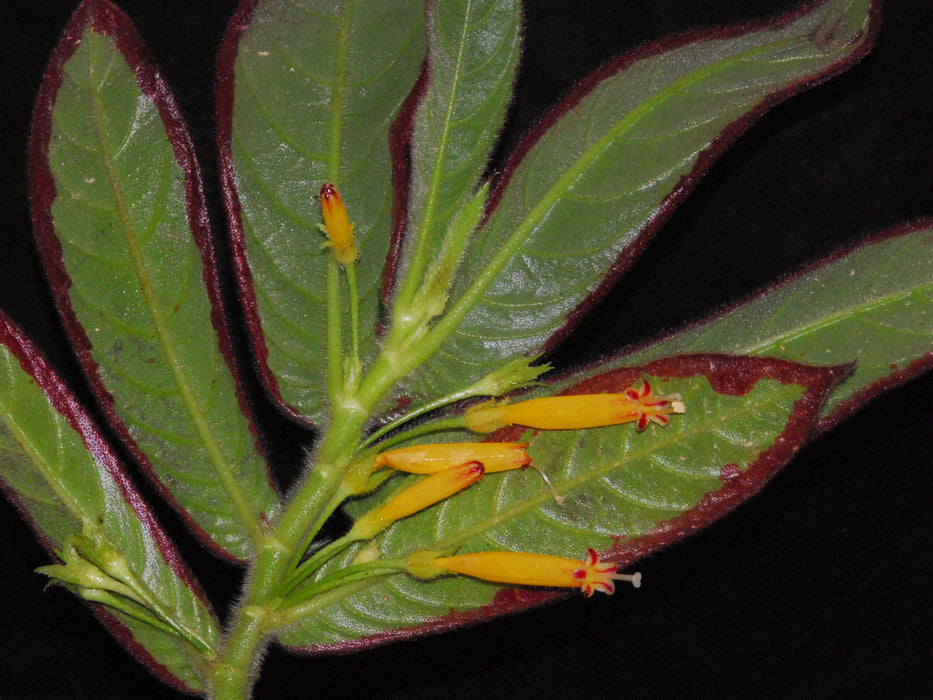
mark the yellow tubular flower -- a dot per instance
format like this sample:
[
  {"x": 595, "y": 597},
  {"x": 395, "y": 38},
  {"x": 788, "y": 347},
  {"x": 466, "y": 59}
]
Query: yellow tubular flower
[
  {"x": 526, "y": 569},
  {"x": 577, "y": 411},
  {"x": 424, "y": 494},
  {"x": 337, "y": 224},
  {"x": 429, "y": 459}
]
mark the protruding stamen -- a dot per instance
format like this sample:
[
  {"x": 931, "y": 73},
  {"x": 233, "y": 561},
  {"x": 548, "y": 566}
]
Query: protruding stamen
[
  {"x": 525, "y": 569},
  {"x": 547, "y": 482},
  {"x": 577, "y": 411}
]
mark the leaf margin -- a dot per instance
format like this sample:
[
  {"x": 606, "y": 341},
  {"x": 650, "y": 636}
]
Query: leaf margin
[
  {"x": 730, "y": 375},
  {"x": 64, "y": 402},
  {"x": 703, "y": 163},
  {"x": 844, "y": 409},
  {"x": 103, "y": 17}
]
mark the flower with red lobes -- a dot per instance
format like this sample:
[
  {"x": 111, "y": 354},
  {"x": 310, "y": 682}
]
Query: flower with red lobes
[
  {"x": 577, "y": 411},
  {"x": 526, "y": 569}
]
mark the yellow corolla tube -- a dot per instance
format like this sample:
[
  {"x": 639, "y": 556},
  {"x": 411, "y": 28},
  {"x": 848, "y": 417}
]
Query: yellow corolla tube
[
  {"x": 423, "y": 494},
  {"x": 337, "y": 225},
  {"x": 525, "y": 569},
  {"x": 431, "y": 458},
  {"x": 577, "y": 411}
]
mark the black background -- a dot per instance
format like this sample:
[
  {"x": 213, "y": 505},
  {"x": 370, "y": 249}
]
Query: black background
[{"x": 815, "y": 588}]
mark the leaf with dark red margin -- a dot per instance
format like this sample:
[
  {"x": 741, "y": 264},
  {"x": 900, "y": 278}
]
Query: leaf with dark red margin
[
  {"x": 473, "y": 52},
  {"x": 627, "y": 493},
  {"x": 308, "y": 93},
  {"x": 115, "y": 189},
  {"x": 585, "y": 191},
  {"x": 871, "y": 305},
  {"x": 60, "y": 473}
]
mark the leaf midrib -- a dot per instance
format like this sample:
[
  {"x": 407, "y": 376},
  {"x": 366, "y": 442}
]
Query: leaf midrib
[
  {"x": 418, "y": 261},
  {"x": 563, "y": 184},
  {"x": 35, "y": 455},
  {"x": 210, "y": 443},
  {"x": 338, "y": 93},
  {"x": 848, "y": 313}
]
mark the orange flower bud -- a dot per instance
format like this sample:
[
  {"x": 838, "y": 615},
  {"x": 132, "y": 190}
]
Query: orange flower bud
[
  {"x": 526, "y": 569},
  {"x": 337, "y": 224},
  {"x": 577, "y": 411},
  {"x": 424, "y": 494},
  {"x": 428, "y": 459}
]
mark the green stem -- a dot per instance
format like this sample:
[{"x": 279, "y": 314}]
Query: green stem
[
  {"x": 420, "y": 411},
  {"x": 249, "y": 630},
  {"x": 339, "y": 497},
  {"x": 285, "y": 617},
  {"x": 310, "y": 505},
  {"x": 307, "y": 509},
  {"x": 452, "y": 423},
  {"x": 355, "y": 365},
  {"x": 231, "y": 676},
  {"x": 314, "y": 562},
  {"x": 334, "y": 342},
  {"x": 351, "y": 574}
]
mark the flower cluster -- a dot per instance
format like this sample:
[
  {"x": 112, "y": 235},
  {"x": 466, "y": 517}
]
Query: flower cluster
[
  {"x": 452, "y": 467},
  {"x": 449, "y": 468}
]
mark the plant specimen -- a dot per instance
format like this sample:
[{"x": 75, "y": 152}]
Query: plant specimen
[{"x": 397, "y": 292}]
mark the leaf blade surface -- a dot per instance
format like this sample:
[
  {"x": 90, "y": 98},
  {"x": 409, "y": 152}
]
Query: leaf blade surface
[
  {"x": 351, "y": 65},
  {"x": 870, "y": 306},
  {"x": 64, "y": 478},
  {"x": 626, "y": 492},
  {"x": 116, "y": 187},
  {"x": 616, "y": 157}
]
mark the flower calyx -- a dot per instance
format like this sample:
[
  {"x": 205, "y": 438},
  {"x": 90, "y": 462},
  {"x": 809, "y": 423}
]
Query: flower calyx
[
  {"x": 520, "y": 373},
  {"x": 90, "y": 562}
]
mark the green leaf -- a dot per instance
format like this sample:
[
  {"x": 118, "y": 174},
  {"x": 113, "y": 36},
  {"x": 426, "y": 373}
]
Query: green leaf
[
  {"x": 872, "y": 306},
  {"x": 617, "y": 155},
  {"x": 473, "y": 52},
  {"x": 744, "y": 419},
  {"x": 317, "y": 88},
  {"x": 130, "y": 281},
  {"x": 63, "y": 477}
]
